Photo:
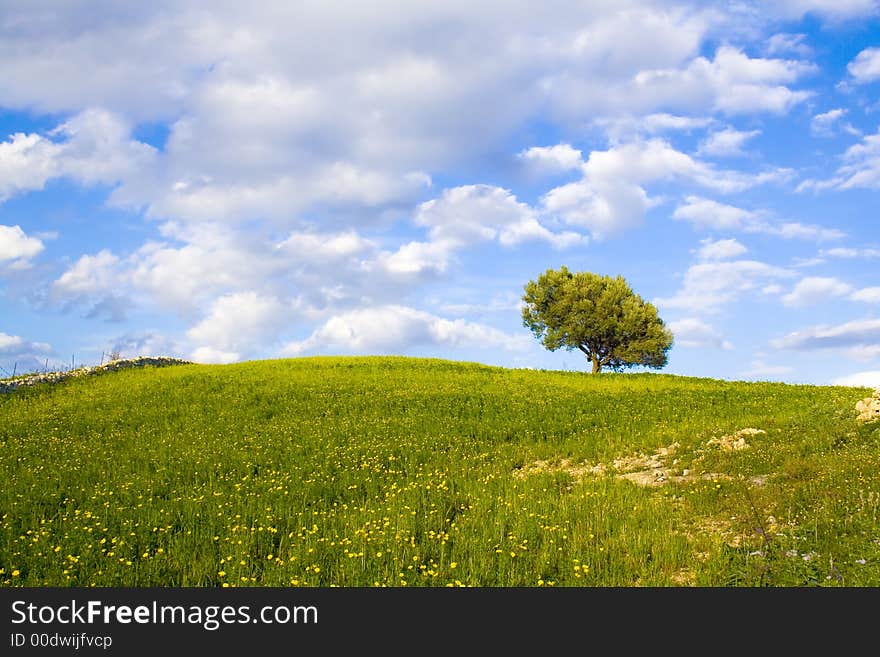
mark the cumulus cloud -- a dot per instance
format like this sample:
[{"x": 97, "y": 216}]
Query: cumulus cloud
[
  {"x": 211, "y": 356},
  {"x": 707, "y": 286},
  {"x": 785, "y": 43},
  {"x": 822, "y": 124},
  {"x": 726, "y": 143},
  {"x": 708, "y": 214},
  {"x": 850, "y": 252},
  {"x": 864, "y": 353},
  {"x": 267, "y": 119},
  {"x": 733, "y": 83},
  {"x": 866, "y": 66},
  {"x": 476, "y": 213},
  {"x": 324, "y": 247},
  {"x": 611, "y": 197},
  {"x": 692, "y": 332},
  {"x": 393, "y": 329},
  {"x": 815, "y": 289},
  {"x": 239, "y": 323},
  {"x": 16, "y": 246},
  {"x": 720, "y": 249},
  {"x": 92, "y": 147},
  {"x": 869, "y": 379},
  {"x": 89, "y": 274},
  {"x": 26, "y": 163},
  {"x": 861, "y": 168},
  {"x": 622, "y": 127},
  {"x": 552, "y": 159},
  {"x": 759, "y": 369},
  {"x": 97, "y": 285},
  {"x": 465, "y": 216},
  {"x": 194, "y": 265},
  {"x": 832, "y": 9},
  {"x": 17, "y": 353},
  {"x": 146, "y": 343},
  {"x": 867, "y": 295},
  {"x": 849, "y": 334}
]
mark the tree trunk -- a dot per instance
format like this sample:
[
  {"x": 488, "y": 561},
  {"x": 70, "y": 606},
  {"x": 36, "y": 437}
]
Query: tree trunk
[{"x": 597, "y": 366}]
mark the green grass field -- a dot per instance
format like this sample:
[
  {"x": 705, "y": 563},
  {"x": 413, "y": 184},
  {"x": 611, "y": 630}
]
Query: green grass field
[{"x": 396, "y": 471}]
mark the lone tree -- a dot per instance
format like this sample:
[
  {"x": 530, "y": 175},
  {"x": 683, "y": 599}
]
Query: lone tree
[{"x": 600, "y": 315}]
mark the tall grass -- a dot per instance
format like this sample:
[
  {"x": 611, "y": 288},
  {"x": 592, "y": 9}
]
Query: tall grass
[{"x": 406, "y": 472}]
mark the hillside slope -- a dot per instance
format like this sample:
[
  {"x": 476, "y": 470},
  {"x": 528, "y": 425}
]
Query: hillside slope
[{"x": 364, "y": 471}]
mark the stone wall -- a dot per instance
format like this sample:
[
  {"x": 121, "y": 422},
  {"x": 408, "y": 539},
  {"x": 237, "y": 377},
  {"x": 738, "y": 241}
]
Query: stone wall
[{"x": 8, "y": 385}]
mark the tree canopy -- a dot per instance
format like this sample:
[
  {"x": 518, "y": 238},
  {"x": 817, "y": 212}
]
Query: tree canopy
[{"x": 598, "y": 315}]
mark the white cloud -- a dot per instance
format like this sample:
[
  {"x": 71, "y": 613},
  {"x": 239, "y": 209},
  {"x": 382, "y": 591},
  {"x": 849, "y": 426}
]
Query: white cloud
[
  {"x": 269, "y": 120},
  {"x": 98, "y": 148},
  {"x": 867, "y": 295},
  {"x": 815, "y": 289},
  {"x": 861, "y": 168},
  {"x": 758, "y": 369},
  {"x": 503, "y": 303},
  {"x": 831, "y": 9},
  {"x": 709, "y": 285},
  {"x": 869, "y": 379},
  {"x": 419, "y": 257},
  {"x": 849, "y": 334},
  {"x": 147, "y": 343},
  {"x": 708, "y": 214},
  {"x": 726, "y": 143},
  {"x": 610, "y": 197},
  {"x": 26, "y": 163},
  {"x": 692, "y": 332},
  {"x": 325, "y": 247},
  {"x": 209, "y": 355},
  {"x": 212, "y": 260},
  {"x": 733, "y": 83},
  {"x": 866, "y": 66},
  {"x": 238, "y": 323},
  {"x": 849, "y": 252},
  {"x": 864, "y": 353},
  {"x": 279, "y": 198},
  {"x": 95, "y": 148},
  {"x": 863, "y": 164},
  {"x": 395, "y": 329},
  {"x": 475, "y": 213},
  {"x": 822, "y": 124},
  {"x": 621, "y": 127},
  {"x": 21, "y": 355},
  {"x": 15, "y": 245},
  {"x": 90, "y": 275},
  {"x": 795, "y": 230},
  {"x": 782, "y": 43},
  {"x": 720, "y": 249},
  {"x": 552, "y": 159}
]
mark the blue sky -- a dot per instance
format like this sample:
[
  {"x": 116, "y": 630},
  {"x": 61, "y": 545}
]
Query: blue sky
[{"x": 222, "y": 184}]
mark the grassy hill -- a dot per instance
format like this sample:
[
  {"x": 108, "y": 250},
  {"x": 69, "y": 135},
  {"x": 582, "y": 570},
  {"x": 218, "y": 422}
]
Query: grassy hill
[{"x": 396, "y": 471}]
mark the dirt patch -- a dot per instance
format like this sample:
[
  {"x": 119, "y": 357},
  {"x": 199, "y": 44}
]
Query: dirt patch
[
  {"x": 649, "y": 470},
  {"x": 575, "y": 470},
  {"x": 684, "y": 577}
]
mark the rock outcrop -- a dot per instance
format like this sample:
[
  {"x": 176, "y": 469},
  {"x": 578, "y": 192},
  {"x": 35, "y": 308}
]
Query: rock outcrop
[
  {"x": 869, "y": 407},
  {"x": 735, "y": 441}
]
